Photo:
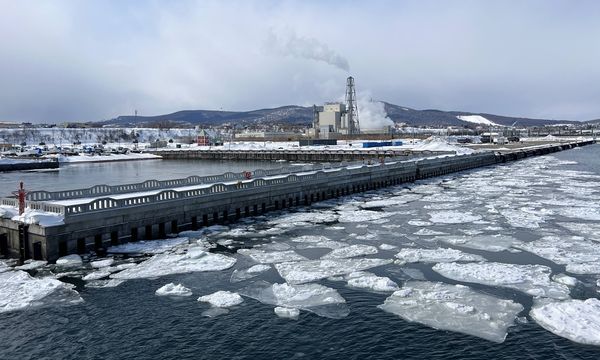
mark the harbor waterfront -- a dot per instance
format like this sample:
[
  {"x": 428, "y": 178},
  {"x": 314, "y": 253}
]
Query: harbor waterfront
[
  {"x": 74, "y": 221},
  {"x": 527, "y": 202}
]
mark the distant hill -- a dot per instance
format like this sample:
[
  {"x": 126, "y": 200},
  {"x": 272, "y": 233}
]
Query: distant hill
[{"x": 299, "y": 115}]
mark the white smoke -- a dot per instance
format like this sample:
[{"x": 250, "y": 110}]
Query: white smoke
[
  {"x": 291, "y": 44},
  {"x": 372, "y": 115}
]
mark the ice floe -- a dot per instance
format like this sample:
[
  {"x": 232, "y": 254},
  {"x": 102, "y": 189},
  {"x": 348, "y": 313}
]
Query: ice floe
[
  {"x": 319, "y": 299},
  {"x": 307, "y": 271},
  {"x": 110, "y": 283},
  {"x": 285, "y": 312},
  {"x": 148, "y": 247},
  {"x": 102, "y": 263},
  {"x": 351, "y": 251},
  {"x": 522, "y": 219},
  {"x": 31, "y": 265},
  {"x": 19, "y": 291},
  {"x": 453, "y": 217},
  {"x": 492, "y": 243},
  {"x": 222, "y": 299},
  {"x": 434, "y": 256},
  {"x": 362, "y": 216},
  {"x": 530, "y": 279},
  {"x": 245, "y": 274},
  {"x": 268, "y": 257},
  {"x": 581, "y": 256},
  {"x": 583, "y": 213},
  {"x": 565, "y": 279},
  {"x": 419, "y": 223},
  {"x": 365, "y": 280},
  {"x": 429, "y": 232},
  {"x": 168, "y": 264},
  {"x": 454, "y": 308},
  {"x": 96, "y": 275},
  {"x": 576, "y": 320},
  {"x": 70, "y": 261},
  {"x": 387, "y": 247},
  {"x": 173, "y": 290}
]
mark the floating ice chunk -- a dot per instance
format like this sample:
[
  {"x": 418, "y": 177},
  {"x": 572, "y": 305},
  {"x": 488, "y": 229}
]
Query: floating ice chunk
[
  {"x": 392, "y": 201},
  {"x": 102, "y": 263},
  {"x": 434, "y": 256},
  {"x": 586, "y": 268},
  {"x": 565, "y": 279},
  {"x": 522, "y": 219},
  {"x": 307, "y": 271},
  {"x": 173, "y": 290},
  {"x": 241, "y": 275},
  {"x": 305, "y": 217},
  {"x": 96, "y": 275},
  {"x": 371, "y": 282},
  {"x": 285, "y": 312},
  {"x": 222, "y": 299},
  {"x": 104, "y": 283},
  {"x": 493, "y": 243},
  {"x": 575, "y": 252},
  {"x": 168, "y": 264},
  {"x": 530, "y": 279},
  {"x": 30, "y": 265},
  {"x": 453, "y": 217},
  {"x": 317, "y": 241},
  {"x": 351, "y": 251},
  {"x": 454, "y": 308},
  {"x": 362, "y": 216},
  {"x": 589, "y": 230},
  {"x": 20, "y": 291},
  {"x": 429, "y": 232},
  {"x": 148, "y": 247},
  {"x": 387, "y": 247},
  {"x": 576, "y": 320},
  {"x": 268, "y": 257},
  {"x": 584, "y": 213},
  {"x": 319, "y": 299},
  {"x": 70, "y": 261},
  {"x": 419, "y": 223}
]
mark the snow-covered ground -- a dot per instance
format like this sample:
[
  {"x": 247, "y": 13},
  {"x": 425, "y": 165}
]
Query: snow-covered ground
[{"x": 477, "y": 119}]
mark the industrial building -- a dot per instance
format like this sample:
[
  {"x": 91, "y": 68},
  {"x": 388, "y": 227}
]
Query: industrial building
[{"x": 335, "y": 119}]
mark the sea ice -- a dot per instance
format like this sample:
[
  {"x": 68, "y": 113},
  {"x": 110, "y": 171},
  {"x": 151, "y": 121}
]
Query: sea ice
[
  {"x": 20, "y": 291},
  {"x": 245, "y": 274},
  {"x": 493, "y": 243},
  {"x": 453, "y": 217},
  {"x": 574, "y": 251},
  {"x": 522, "y": 219},
  {"x": 351, "y": 251},
  {"x": 576, "y": 320},
  {"x": 364, "y": 280},
  {"x": 454, "y": 308},
  {"x": 311, "y": 217},
  {"x": 168, "y": 264},
  {"x": 362, "y": 216},
  {"x": 434, "y": 256},
  {"x": 428, "y": 232},
  {"x": 30, "y": 265},
  {"x": 285, "y": 312},
  {"x": 268, "y": 257},
  {"x": 148, "y": 247},
  {"x": 531, "y": 279},
  {"x": 96, "y": 275},
  {"x": 419, "y": 223},
  {"x": 110, "y": 283},
  {"x": 565, "y": 279},
  {"x": 307, "y": 271},
  {"x": 173, "y": 290},
  {"x": 102, "y": 263},
  {"x": 387, "y": 247},
  {"x": 222, "y": 299},
  {"x": 69, "y": 261},
  {"x": 583, "y": 213},
  {"x": 319, "y": 299}
]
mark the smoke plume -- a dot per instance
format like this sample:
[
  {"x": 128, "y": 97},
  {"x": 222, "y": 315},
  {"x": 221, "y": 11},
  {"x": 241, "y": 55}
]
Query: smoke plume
[
  {"x": 304, "y": 48},
  {"x": 372, "y": 115}
]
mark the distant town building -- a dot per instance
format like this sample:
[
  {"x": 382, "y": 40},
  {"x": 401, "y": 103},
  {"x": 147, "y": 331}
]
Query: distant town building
[{"x": 203, "y": 138}]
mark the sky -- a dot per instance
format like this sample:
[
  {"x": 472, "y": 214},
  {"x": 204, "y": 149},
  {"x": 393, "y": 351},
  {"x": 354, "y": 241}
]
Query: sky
[{"x": 94, "y": 60}]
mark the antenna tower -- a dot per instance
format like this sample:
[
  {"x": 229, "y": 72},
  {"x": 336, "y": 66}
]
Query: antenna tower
[{"x": 351, "y": 107}]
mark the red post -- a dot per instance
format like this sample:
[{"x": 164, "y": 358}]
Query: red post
[{"x": 21, "y": 195}]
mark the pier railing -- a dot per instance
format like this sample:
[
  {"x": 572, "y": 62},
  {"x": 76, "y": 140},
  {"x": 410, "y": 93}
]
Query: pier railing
[
  {"x": 235, "y": 183},
  {"x": 149, "y": 185}
]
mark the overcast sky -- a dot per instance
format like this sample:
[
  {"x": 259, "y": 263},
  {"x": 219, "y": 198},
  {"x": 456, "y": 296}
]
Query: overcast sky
[{"x": 93, "y": 60}]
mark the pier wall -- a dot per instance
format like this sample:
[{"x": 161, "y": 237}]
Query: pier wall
[{"x": 106, "y": 221}]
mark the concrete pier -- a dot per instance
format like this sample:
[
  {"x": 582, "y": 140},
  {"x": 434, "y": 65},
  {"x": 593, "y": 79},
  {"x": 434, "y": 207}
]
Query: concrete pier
[
  {"x": 323, "y": 155},
  {"x": 103, "y": 215}
]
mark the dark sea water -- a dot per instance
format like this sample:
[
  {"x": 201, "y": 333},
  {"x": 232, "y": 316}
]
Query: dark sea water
[{"x": 131, "y": 322}]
